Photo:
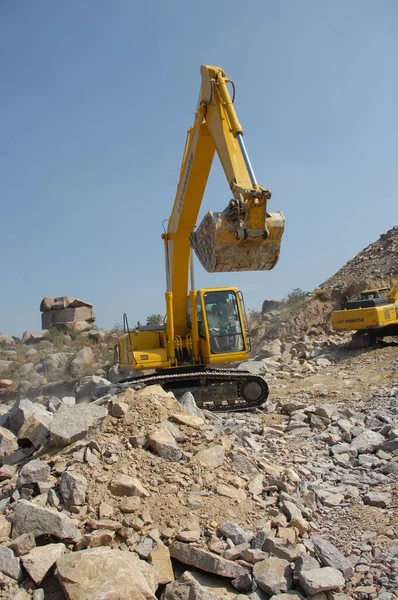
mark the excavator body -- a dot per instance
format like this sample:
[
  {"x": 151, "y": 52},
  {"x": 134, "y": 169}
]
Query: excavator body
[
  {"x": 373, "y": 315},
  {"x": 205, "y": 330}
]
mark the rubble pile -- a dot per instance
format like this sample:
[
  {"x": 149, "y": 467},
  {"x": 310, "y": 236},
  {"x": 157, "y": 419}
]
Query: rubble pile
[
  {"x": 67, "y": 314},
  {"x": 133, "y": 494},
  {"x": 375, "y": 266}
]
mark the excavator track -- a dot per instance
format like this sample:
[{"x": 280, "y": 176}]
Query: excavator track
[{"x": 219, "y": 391}]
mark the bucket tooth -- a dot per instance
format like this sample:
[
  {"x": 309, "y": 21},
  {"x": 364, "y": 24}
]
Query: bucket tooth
[{"x": 219, "y": 249}]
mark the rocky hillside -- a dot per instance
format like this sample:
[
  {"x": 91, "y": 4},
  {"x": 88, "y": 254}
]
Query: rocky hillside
[
  {"x": 51, "y": 362},
  {"x": 375, "y": 266}
]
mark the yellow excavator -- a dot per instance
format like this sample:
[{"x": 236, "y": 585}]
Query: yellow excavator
[
  {"x": 373, "y": 315},
  {"x": 206, "y": 329}
]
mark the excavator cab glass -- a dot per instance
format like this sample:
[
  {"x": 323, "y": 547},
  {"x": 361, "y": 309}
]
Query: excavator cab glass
[{"x": 223, "y": 322}]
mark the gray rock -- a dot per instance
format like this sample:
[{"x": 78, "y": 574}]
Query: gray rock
[
  {"x": 331, "y": 556},
  {"x": 391, "y": 468},
  {"x": 8, "y": 442},
  {"x": 40, "y": 560},
  {"x": 71, "y": 423},
  {"x": 390, "y": 446},
  {"x": 198, "y": 586},
  {"x": 83, "y": 359},
  {"x": 34, "y": 471},
  {"x": 23, "y": 544},
  {"x": 243, "y": 465},
  {"x": 281, "y": 548},
  {"x": 144, "y": 548},
  {"x": 321, "y": 580},
  {"x": 9, "y": 563},
  {"x": 35, "y": 430},
  {"x": 26, "y": 370},
  {"x": 164, "y": 444},
  {"x": 273, "y": 575},
  {"x": 5, "y": 367},
  {"x": 91, "y": 387},
  {"x": 367, "y": 441},
  {"x": 21, "y": 411},
  {"x": 237, "y": 534},
  {"x": 73, "y": 488},
  {"x": 304, "y": 562},
  {"x": 188, "y": 402},
  {"x": 211, "y": 457},
  {"x": 243, "y": 583},
  {"x": 380, "y": 499},
  {"x": 31, "y": 518},
  {"x": 33, "y": 337},
  {"x": 206, "y": 561},
  {"x": 56, "y": 363},
  {"x": 291, "y": 510}
]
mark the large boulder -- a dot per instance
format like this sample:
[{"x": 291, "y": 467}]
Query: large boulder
[
  {"x": 71, "y": 423},
  {"x": 31, "y": 518},
  {"x": 106, "y": 574},
  {"x": 83, "y": 359}
]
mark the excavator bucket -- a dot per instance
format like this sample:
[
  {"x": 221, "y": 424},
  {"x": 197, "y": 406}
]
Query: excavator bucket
[{"x": 220, "y": 247}]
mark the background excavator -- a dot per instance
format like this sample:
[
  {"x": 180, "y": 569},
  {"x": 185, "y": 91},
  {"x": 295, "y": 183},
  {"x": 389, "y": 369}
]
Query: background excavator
[
  {"x": 206, "y": 329},
  {"x": 373, "y": 315}
]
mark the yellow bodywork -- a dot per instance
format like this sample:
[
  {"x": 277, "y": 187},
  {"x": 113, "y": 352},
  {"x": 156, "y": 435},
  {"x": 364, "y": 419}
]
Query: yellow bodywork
[
  {"x": 363, "y": 318},
  {"x": 244, "y": 236}
]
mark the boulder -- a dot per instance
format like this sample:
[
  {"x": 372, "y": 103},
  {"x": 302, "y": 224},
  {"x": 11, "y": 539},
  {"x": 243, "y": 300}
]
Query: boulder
[
  {"x": 9, "y": 563},
  {"x": 198, "y": 586},
  {"x": 106, "y": 574},
  {"x": 35, "y": 471},
  {"x": 36, "y": 430},
  {"x": 39, "y": 560},
  {"x": 71, "y": 423},
  {"x": 21, "y": 411},
  {"x": 65, "y": 316},
  {"x": 56, "y": 363},
  {"x": 91, "y": 387},
  {"x": 237, "y": 534},
  {"x": 46, "y": 304},
  {"x": 33, "y": 337},
  {"x": 31, "y": 518},
  {"x": 206, "y": 561},
  {"x": 330, "y": 556},
  {"x": 321, "y": 580},
  {"x": 160, "y": 559},
  {"x": 188, "y": 402},
  {"x": 73, "y": 488},
  {"x": 8, "y": 442},
  {"x": 164, "y": 444},
  {"x": 5, "y": 367},
  {"x": 367, "y": 441},
  {"x": 84, "y": 358},
  {"x": 211, "y": 457},
  {"x": 273, "y": 575},
  {"x": 124, "y": 485}
]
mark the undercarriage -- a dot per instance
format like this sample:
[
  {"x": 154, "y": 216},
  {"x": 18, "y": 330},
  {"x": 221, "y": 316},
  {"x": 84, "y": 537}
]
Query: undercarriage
[{"x": 214, "y": 390}]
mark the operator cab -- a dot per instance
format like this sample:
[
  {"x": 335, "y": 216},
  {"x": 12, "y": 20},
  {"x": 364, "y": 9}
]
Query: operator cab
[{"x": 220, "y": 317}]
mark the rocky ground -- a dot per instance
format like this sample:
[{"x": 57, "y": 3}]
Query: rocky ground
[{"x": 108, "y": 492}]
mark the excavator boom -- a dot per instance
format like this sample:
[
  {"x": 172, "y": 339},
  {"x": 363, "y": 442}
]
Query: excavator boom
[{"x": 206, "y": 328}]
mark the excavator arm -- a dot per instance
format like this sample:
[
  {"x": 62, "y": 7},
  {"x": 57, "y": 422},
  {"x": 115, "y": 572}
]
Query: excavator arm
[{"x": 245, "y": 236}]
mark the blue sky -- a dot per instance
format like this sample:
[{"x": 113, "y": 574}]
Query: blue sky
[{"x": 95, "y": 101}]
